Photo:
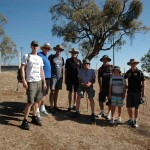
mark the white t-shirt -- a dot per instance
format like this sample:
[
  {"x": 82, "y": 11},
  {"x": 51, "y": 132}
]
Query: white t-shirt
[{"x": 33, "y": 66}]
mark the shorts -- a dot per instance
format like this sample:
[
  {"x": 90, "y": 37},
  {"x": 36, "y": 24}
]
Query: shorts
[
  {"x": 103, "y": 95},
  {"x": 34, "y": 92},
  {"x": 56, "y": 84},
  {"x": 72, "y": 86},
  {"x": 116, "y": 101},
  {"x": 90, "y": 91},
  {"x": 133, "y": 99},
  {"x": 45, "y": 92}
]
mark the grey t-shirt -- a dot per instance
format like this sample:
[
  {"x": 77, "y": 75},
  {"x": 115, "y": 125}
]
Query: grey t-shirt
[
  {"x": 117, "y": 83},
  {"x": 86, "y": 75}
]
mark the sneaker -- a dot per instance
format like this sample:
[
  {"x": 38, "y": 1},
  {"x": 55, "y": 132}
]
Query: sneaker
[
  {"x": 36, "y": 121},
  {"x": 130, "y": 122},
  {"x": 38, "y": 115},
  {"x": 25, "y": 125},
  {"x": 92, "y": 117},
  {"x": 111, "y": 121},
  {"x": 135, "y": 124},
  {"x": 45, "y": 113},
  {"x": 101, "y": 115},
  {"x": 69, "y": 109},
  {"x": 119, "y": 120},
  {"x": 76, "y": 115},
  {"x": 108, "y": 117}
]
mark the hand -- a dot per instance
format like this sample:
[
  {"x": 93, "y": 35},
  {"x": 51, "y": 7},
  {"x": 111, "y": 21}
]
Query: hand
[
  {"x": 87, "y": 84},
  {"x": 25, "y": 85},
  {"x": 123, "y": 96},
  {"x": 44, "y": 86}
]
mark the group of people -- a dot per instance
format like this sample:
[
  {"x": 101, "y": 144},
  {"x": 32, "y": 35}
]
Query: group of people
[{"x": 41, "y": 73}]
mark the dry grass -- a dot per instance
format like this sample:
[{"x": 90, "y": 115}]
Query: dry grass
[{"x": 61, "y": 132}]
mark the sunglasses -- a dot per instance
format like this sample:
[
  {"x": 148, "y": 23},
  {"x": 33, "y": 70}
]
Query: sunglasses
[
  {"x": 35, "y": 45},
  {"x": 46, "y": 48},
  {"x": 74, "y": 53}
]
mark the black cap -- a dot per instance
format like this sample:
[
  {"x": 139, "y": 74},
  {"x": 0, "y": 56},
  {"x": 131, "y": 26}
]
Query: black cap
[{"x": 34, "y": 43}]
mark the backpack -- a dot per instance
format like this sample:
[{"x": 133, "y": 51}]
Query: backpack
[{"x": 19, "y": 77}]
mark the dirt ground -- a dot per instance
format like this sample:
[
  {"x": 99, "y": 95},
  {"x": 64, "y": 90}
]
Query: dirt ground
[{"x": 60, "y": 131}]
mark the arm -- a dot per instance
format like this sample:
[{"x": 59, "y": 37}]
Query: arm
[
  {"x": 110, "y": 91},
  {"x": 43, "y": 77},
  {"x": 143, "y": 88},
  {"x": 124, "y": 89},
  {"x": 24, "y": 82}
]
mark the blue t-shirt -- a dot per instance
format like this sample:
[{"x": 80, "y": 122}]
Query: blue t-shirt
[
  {"x": 47, "y": 65},
  {"x": 57, "y": 64}
]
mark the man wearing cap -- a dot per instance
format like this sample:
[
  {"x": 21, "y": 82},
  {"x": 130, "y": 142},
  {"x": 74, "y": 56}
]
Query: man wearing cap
[
  {"x": 57, "y": 64},
  {"x": 32, "y": 76},
  {"x": 86, "y": 77},
  {"x": 72, "y": 67},
  {"x": 104, "y": 75},
  {"x": 47, "y": 71},
  {"x": 135, "y": 91}
]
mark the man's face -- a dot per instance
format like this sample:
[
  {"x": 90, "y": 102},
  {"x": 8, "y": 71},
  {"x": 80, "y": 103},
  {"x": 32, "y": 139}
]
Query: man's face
[
  {"x": 58, "y": 51},
  {"x": 86, "y": 66},
  {"x": 105, "y": 60},
  {"x": 74, "y": 54},
  {"x": 133, "y": 65},
  {"x": 45, "y": 50},
  {"x": 34, "y": 47}
]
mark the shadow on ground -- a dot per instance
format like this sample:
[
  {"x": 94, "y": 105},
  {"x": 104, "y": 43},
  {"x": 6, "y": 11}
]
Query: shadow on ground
[
  {"x": 62, "y": 115},
  {"x": 11, "y": 111}
]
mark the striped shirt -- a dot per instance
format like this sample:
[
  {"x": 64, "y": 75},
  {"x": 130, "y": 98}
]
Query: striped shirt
[{"x": 117, "y": 83}]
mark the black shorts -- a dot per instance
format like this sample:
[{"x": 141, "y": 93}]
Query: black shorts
[
  {"x": 72, "y": 86},
  {"x": 103, "y": 95},
  {"x": 133, "y": 99}
]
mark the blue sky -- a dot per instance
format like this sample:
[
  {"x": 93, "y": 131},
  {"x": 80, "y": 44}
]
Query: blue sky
[{"x": 30, "y": 20}]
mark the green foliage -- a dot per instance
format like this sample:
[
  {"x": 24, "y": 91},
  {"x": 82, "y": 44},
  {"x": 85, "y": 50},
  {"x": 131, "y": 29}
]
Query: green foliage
[
  {"x": 94, "y": 25},
  {"x": 145, "y": 61},
  {"x": 7, "y": 46}
]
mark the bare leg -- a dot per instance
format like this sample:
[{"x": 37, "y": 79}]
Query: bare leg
[
  {"x": 27, "y": 110},
  {"x": 55, "y": 97},
  {"x": 78, "y": 103},
  {"x": 112, "y": 111},
  {"x": 51, "y": 98},
  {"x": 70, "y": 98},
  {"x": 136, "y": 112},
  {"x": 75, "y": 98},
  {"x": 119, "y": 111},
  {"x": 130, "y": 112},
  {"x": 92, "y": 105}
]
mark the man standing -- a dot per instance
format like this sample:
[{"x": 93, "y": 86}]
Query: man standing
[
  {"x": 47, "y": 71},
  {"x": 32, "y": 76},
  {"x": 86, "y": 78},
  {"x": 57, "y": 63},
  {"x": 72, "y": 67},
  {"x": 135, "y": 91},
  {"x": 104, "y": 75}
]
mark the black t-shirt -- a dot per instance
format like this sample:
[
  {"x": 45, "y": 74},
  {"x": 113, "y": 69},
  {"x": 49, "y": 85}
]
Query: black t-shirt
[
  {"x": 134, "y": 80},
  {"x": 72, "y": 67},
  {"x": 105, "y": 72}
]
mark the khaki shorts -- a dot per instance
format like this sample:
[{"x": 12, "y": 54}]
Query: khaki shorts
[{"x": 34, "y": 92}]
